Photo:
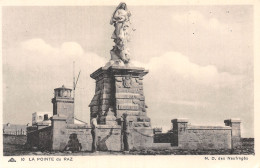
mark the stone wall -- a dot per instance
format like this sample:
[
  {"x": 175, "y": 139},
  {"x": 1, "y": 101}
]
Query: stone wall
[
  {"x": 108, "y": 137},
  {"x": 32, "y": 136},
  {"x": 185, "y": 136},
  {"x": 45, "y": 138},
  {"x": 14, "y": 139},
  {"x": 83, "y": 133},
  {"x": 200, "y": 137},
  {"x": 141, "y": 138},
  {"x": 205, "y": 138},
  {"x": 236, "y": 132},
  {"x": 41, "y": 138}
]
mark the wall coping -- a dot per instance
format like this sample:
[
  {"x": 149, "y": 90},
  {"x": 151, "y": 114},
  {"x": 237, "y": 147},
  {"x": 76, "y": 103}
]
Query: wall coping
[
  {"x": 58, "y": 117},
  {"x": 232, "y": 120},
  {"x": 43, "y": 124},
  {"x": 118, "y": 69},
  {"x": 235, "y": 120},
  {"x": 139, "y": 128},
  {"x": 45, "y": 128},
  {"x": 109, "y": 126},
  {"x": 209, "y": 127},
  {"x": 77, "y": 126},
  {"x": 180, "y": 120}
]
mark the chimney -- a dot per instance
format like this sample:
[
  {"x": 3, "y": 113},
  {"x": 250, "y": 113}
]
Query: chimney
[{"x": 45, "y": 117}]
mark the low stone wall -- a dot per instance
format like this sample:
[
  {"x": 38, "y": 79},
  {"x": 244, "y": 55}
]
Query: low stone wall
[
  {"x": 205, "y": 137},
  {"x": 83, "y": 133},
  {"x": 45, "y": 138},
  {"x": 108, "y": 137},
  {"x": 141, "y": 138},
  {"x": 186, "y": 136},
  {"x": 33, "y": 138},
  {"x": 61, "y": 136},
  {"x": 14, "y": 139},
  {"x": 64, "y": 135},
  {"x": 41, "y": 138}
]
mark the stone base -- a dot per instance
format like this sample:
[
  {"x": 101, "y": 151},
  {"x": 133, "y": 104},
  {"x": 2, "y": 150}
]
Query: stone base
[{"x": 120, "y": 88}]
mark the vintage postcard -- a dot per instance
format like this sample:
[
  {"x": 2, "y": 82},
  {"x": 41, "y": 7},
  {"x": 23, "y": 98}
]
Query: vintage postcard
[{"x": 129, "y": 84}]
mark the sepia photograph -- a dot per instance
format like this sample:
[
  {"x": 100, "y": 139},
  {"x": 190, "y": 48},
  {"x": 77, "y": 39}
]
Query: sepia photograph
[{"x": 126, "y": 79}]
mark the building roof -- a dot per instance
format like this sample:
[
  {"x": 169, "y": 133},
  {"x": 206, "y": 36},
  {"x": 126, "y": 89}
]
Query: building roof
[
  {"x": 13, "y": 127},
  {"x": 42, "y": 112},
  {"x": 62, "y": 88}
]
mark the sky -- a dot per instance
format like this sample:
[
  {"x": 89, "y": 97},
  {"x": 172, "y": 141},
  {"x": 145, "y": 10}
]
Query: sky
[{"x": 200, "y": 60}]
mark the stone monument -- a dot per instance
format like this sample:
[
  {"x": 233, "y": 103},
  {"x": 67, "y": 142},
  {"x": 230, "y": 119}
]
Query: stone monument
[
  {"x": 119, "y": 84},
  {"x": 119, "y": 120}
]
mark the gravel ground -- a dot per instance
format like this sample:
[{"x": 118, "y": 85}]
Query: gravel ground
[{"x": 247, "y": 148}]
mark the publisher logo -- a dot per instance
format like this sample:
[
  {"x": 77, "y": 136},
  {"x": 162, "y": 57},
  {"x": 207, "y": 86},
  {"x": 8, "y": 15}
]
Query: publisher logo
[{"x": 12, "y": 160}]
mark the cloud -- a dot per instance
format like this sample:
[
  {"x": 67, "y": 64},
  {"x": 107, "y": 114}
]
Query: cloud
[
  {"x": 195, "y": 20},
  {"x": 178, "y": 65},
  {"x": 174, "y": 87},
  {"x": 71, "y": 48},
  {"x": 38, "y": 53},
  {"x": 36, "y": 67},
  {"x": 178, "y": 87},
  {"x": 38, "y": 46},
  {"x": 172, "y": 72}
]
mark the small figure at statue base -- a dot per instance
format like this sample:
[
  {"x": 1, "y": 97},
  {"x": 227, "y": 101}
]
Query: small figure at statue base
[
  {"x": 126, "y": 132},
  {"x": 94, "y": 132}
]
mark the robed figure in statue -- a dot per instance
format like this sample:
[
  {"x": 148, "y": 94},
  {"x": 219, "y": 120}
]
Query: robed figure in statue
[{"x": 121, "y": 21}]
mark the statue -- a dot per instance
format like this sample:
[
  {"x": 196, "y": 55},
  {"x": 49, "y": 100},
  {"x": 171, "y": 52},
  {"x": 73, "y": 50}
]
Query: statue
[{"x": 121, "y": 35}]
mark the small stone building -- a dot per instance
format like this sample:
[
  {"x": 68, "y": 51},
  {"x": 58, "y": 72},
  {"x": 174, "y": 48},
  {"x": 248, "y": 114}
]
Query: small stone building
[{"x": 38, "y": 117}]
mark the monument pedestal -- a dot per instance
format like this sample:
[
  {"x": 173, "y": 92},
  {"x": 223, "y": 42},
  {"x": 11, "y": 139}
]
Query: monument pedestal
[{"x": 120, "y": 88}]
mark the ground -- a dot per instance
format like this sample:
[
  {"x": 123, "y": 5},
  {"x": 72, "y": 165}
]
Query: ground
[{"x": 247, "y": 148}]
